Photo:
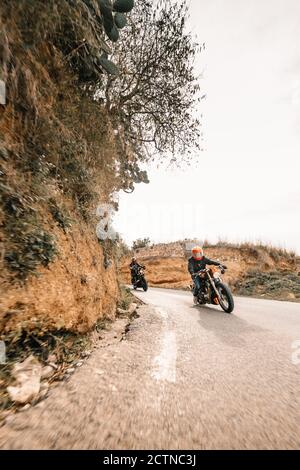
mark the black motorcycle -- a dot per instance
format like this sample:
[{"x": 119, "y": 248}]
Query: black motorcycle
[
  {"x": 139, "y": 279},
  {"x": 213, "y": 290}
]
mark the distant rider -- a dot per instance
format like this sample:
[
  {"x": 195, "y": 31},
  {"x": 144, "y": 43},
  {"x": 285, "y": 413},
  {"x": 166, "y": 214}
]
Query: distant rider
[
  {"x": 134, "y": 267},
  {"x": 197, "y": 262}
]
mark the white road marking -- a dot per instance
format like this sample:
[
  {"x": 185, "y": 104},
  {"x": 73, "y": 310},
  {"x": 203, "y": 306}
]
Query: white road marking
[{"x": 164, "y": 365}]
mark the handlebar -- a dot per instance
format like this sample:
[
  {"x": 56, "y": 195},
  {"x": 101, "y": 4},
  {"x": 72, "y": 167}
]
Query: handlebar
[
  {"x": 202, "y": 271},
  {"x": 206, "y": 270}
]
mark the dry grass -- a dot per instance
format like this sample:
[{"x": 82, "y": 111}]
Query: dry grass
[
  {"x": 274, "y": 285},
  {"x": 126, "y": 298},
  {"x": 254, "y": 248}
]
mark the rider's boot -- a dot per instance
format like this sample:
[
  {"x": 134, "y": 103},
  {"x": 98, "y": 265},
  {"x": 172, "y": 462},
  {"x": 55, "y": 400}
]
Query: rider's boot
[{"x": 195, "y": 295}]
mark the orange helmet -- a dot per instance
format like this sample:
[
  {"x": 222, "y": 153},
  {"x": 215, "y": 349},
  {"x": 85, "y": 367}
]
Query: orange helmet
[{"x": 197, "y": 252}]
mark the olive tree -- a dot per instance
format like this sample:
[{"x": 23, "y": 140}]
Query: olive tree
[{"x": 153, "y": 100}]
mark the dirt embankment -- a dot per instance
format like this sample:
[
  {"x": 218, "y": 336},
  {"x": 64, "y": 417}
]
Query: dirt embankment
[
  {"x": 58, "y": 159},
  {"x": 252, "y": 270},
  {"x": 72, "y": 293}
]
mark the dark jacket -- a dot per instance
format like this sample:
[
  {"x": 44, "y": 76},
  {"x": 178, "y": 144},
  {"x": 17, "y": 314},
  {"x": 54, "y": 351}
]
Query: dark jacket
[
  {"x": 195, "y": 266},
  {"x": 134, "y": 266}
]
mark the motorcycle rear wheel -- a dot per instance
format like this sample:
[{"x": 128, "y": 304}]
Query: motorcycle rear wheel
[{"x": 226, "y": 299}]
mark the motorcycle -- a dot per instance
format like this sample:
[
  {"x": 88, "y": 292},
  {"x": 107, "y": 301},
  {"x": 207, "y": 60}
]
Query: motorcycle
[
  {"x": 213, "y": 290},
  {"x": 140, "y": 280}
]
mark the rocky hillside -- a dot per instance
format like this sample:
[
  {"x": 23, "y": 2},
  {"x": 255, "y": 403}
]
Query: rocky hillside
[{"x": 252, "y": 269}]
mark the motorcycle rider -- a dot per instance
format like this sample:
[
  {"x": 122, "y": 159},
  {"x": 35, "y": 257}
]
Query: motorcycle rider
[
  {"x": 196, "y": 263},
  {"x": 134, "y": 267}
]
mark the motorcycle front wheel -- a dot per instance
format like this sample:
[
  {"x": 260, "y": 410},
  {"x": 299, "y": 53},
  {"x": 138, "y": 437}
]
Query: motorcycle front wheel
[
  {"x": 145, "y": 285},
  {"x": 226, "y": 299}
]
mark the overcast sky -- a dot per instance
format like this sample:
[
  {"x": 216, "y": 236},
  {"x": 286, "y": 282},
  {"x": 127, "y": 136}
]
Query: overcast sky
[{"x": 251, "y": 124}]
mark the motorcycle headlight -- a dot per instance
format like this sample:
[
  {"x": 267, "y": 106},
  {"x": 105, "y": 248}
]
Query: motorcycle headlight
[{"x": 217, "y": 275}]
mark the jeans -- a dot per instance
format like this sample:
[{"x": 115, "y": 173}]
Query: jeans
[{"x": 198, "y": 285}]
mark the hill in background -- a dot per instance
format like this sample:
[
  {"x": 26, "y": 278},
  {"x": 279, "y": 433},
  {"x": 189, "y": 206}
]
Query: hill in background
[{"x": 253, "y": 270}]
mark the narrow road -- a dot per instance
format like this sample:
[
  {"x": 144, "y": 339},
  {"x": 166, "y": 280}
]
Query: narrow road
[{"x": 185, "y": 377}]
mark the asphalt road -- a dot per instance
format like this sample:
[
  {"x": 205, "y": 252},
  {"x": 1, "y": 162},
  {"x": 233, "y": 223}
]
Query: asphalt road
[{"x": 186, "y": 377}]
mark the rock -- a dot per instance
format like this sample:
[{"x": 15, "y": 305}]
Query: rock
[
  {"x": 79, "y": 364},
  {"x": 26, "y": 407},
  {"x": 27, "y": 375},
  {"x": 291, "y": 296},
  {"x": 132, "y": 308},
  {"x": 55, "y": 366},
  {"x": 99, "y": 371},
  {"x": 70, "y": 370},
  {"x": 40, "y": 404},
  {"x": 44, "y": 390},
  {"x": 10, "y": 419},
  {"x": 44, "y": 386},
  {"x": 86, "y": 353},
  {"x": 47, "y": 372},
  {"x": 52, "y": 358},
  {"x": 120, "y": 311}
]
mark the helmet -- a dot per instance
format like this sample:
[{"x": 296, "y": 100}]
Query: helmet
[{"x": 197, "y": 252}]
